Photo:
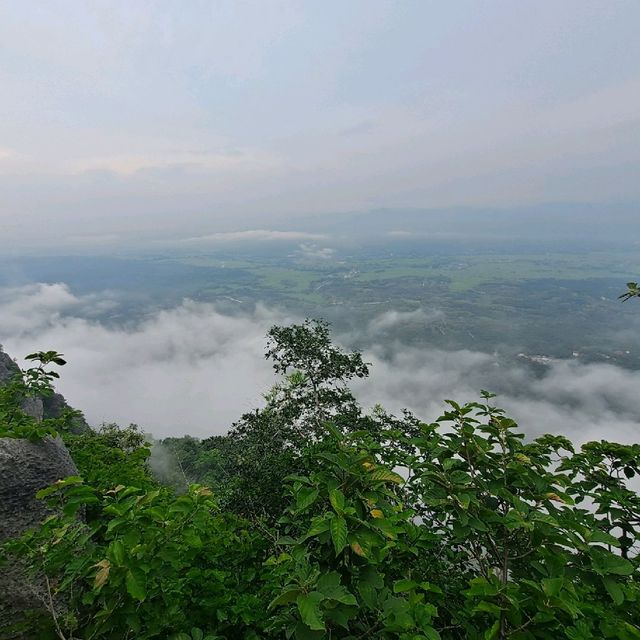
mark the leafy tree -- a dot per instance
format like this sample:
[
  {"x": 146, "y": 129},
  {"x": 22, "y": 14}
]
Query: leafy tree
[
  {"x": 633, "y": 291},
  {"x": 320, "y": 371},
  {"x": 266, "y": 445},
  {"x": 111, "y": 456},
  {"x": 19, "y": 398}
]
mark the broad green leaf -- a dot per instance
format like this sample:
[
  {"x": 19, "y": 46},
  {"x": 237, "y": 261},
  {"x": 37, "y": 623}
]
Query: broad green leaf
[
  {"x": 309, "y": 608},
  {"x": 400, "y": 586},
  {"x": 492, "y": 633},
  {"x": 341, "y": 614},
  {"x": 613, "y": 589},
  {"x": 336, "y": 497},
  {"x": 339, "y": 533},
  {"x": 368, "y": 594},
  {"x": 118, "y": 553},
  {"x": 196, "y": 634},
  {"x": 287, "y": 596},
  {"x": 552, "y": 586},
  {"x": 318, "y": 525},
  {"x": 605, "y": 563},
  {"x": 488, "y": 607},
  {"x": 305, "y": 497},
  {"x": 481, "y": 587},
  {"x": 135, "y": 585},
  {"x": 597, "y": 535},
  {"x": 329, "y": 585},
  {"x": 302, "y": 632}
]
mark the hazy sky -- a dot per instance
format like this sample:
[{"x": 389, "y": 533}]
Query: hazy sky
[{"x": 128, "y": 117}]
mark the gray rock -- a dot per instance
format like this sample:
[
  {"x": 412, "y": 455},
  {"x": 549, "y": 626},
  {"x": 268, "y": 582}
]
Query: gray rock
[
  {"x": 47, "y": 407},
  {"x": 8, "y": 369},
  {"x": 54, "y": 405},
  {"x": 25, "y": 468}
]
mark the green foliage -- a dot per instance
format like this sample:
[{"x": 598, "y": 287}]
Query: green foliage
[
  {"x": 323, "y": 522},
  {"x": 349, "y": 543},
  {"x": 150, "y": 564},
  {"x": 527, "y": 527},
  {"x": 111, "y": 456},
  {"x": 246, "y": 467},
  {"x": 633, "y": 291},
  {"x": 22, "y": 390}
]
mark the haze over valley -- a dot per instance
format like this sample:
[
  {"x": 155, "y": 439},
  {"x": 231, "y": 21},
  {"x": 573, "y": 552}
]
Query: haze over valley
[{"x": 453, "y": 187}]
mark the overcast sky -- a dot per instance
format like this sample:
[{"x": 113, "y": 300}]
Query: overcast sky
[{"x": 119, "y": 118}]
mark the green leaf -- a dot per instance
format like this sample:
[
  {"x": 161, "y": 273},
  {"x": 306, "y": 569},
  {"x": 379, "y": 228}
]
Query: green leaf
[
  {"x": 302, "y": 632},
  {"x": 613, "y": 589},
  {"x": 338, "y": 528},
  {"x": 329, "y": 585},
  {"x": 118, "y": 553},
  {"x": 552, "y": 586},
  {"x": 481, "y": 587},
  {"x": 488, "y": 607},
  {"x": 287, "y": 596},
  {"x": 306, "y": 497},
  {"x": 196, "y": 634},
  {"x": 400, "y": 586},
  {"x": 318, "y": 525},
  {"x": 309, "y": 608},
  {"x": 368, "y": 594},
  {"x": 492, "y": 633},
  {"x": 135, "y": 585},
  {"x": 605, "y": 563},
  {"x": 336, "y": 497},
  {"x": 597, "y": 535}
]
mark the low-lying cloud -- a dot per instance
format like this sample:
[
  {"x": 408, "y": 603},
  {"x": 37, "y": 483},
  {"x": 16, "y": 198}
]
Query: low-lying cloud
[
  {"x": 252, "y": 235},
  {"x": 195, "y": 369}
]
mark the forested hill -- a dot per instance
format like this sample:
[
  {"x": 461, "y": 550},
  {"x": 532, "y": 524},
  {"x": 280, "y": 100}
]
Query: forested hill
[{"x": 312, "y": 518}]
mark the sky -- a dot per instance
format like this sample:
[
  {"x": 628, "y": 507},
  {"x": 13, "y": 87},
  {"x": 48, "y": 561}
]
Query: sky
[{"x": 129, "y": 119}]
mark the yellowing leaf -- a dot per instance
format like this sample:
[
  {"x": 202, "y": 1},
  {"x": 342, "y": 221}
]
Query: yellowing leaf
[
  {"x": 368, "y": 465},
  {"x": 357, "y": 549},
  {"x": 336, "y": 497},
  {"x": 377, "y": 513},
  {"x": 102, "y": 575},
  {"x": 555, "y": 497},
  {"x": 386, "y": 475}
]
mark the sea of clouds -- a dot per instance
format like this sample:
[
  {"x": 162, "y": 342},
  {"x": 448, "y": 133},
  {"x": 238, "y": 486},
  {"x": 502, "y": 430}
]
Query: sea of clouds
[{"x": 196, "y": 368}]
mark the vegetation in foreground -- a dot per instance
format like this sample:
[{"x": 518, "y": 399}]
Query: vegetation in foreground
[{"x": 312, "y": 519}]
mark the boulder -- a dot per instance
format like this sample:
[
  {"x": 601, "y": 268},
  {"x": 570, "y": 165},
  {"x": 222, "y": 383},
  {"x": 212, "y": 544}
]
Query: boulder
[
  {"x": 8, "y": 369},
  {"x": 25, "y": 468}
]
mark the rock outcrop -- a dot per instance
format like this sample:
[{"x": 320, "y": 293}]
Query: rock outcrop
[
  {"x": 25, "y": 468},
  {"x": 48, "y": 407},
  {"x": 8, "y": 369}
]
